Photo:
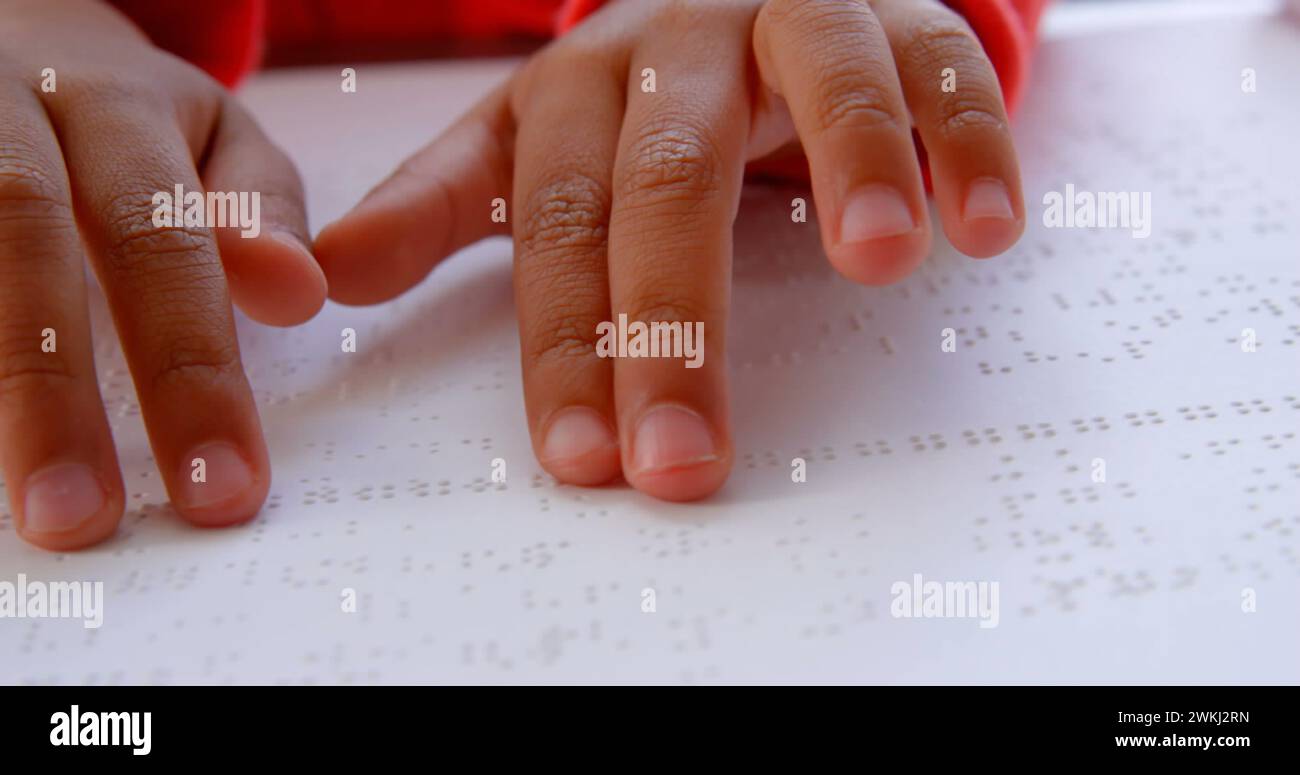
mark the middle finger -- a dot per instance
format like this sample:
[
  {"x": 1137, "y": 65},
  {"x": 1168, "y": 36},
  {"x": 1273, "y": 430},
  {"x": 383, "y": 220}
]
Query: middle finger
[{"x": 676, "y": 189}]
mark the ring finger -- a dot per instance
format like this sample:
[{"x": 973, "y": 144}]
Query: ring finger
[
  {"x": 831, "y": 62},
  {"x": 962, "y": 122}
]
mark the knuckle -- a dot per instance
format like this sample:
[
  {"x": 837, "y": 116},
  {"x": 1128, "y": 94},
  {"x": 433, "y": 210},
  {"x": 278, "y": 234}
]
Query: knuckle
[
  {"x": 684, "y": 15},
  {"x": 848, "y": 100},
  {"x": 567, "y": 224},
  {"x": 659, "y": 302},
  {"x": 24, "y": 381},
  {"x": 590, "y": 54},
  {"x": 945, "y": 40},
  {"x": 960, "y": 117},
  {"x": 808, "y": 14},
  {"x": 34, "y": 211},
  {"x": 566, "y": 332},
  {"x": 194, "y": 361},
  {"x": 851, "y": 70},
  {"x": 105, "y": 91},
  {"x": 27, "y": 373},
  {"x": 568, "y": 211},
  {"x": 569, "y": 55},
  {"x": 672, "y": 158},
  {"x": 135, "y": 243},
  {"x": 27, "y": 190}
]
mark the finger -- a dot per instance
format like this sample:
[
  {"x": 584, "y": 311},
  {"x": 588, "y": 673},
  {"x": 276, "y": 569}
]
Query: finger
[
  {"x": 271, "y": 274},
  {"x": 957, "y": 106},
  {"x": 65, "y": 488},
  {"x": 830, "y": 61},
  {"x": 167, "y": 292},
  {"x": 437, "y": 202},
  {"x": 566, "y": 148},
  {"x": 676, "y": 189}
]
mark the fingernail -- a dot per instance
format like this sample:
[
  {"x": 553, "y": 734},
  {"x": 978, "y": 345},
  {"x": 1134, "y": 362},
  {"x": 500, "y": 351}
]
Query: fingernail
[
  {"x": 61, "y": 497},
  {"x": 575, "y": 432},
  {"x": 669, "y": 437},
  {"x": 987, "y": 198},
  {"x": 874, "y": 212},
  {"x": 212, "y": 473}
]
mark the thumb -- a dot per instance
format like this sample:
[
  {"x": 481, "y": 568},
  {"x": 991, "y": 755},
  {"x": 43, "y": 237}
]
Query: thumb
[{"x": 272, "y": 275}]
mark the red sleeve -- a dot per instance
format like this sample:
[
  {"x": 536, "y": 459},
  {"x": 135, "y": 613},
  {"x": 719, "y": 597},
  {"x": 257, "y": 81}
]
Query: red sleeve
[
  {"x": 224, "y": 38},
  {"x": 227, "y": 38}
]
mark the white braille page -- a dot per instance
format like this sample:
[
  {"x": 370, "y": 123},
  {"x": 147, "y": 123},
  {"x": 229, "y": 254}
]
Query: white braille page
[{"x": 1077, "y": 347}]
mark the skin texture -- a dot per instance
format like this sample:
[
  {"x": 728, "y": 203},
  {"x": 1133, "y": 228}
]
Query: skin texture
[
  {"x": 78, "y": 169},
  {"x": 622, "y": 201}
]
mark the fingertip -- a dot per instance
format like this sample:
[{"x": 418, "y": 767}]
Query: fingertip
[
  {"x": 676, "y": 455},
  {"x": 986, "y": 237},
  {"x": 218, "y": 485},
  {"x": 274, "y": 278},
  {"x": 880, "y": 238},
  {"x": 688, "y": 483},
  {"x": 593, "y": 470},
  {"x": 882, "y": 261},
  {"x": 988, "y": 222},
  {"x": 580, "y": 448},
  {"x": 68, "y": 506},
  {"x": 372, "y": 235}
]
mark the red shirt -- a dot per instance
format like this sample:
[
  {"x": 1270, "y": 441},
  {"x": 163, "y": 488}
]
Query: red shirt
[{"x": 227, "y": 38}]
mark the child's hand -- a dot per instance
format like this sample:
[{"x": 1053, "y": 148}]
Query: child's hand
[
  {"x": 94, "y": 121},
  {"x": 622, "y": 199}
]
